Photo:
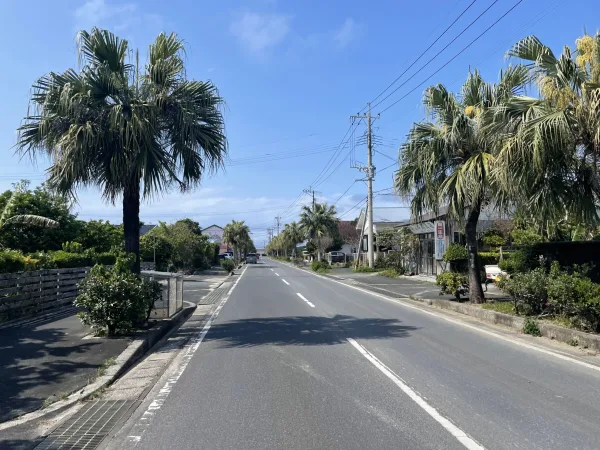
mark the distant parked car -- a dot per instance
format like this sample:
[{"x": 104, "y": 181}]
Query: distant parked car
[
  {"x": 337, "y": 257},
  {"x": 492, "y": 273},
  {"x": 251, "y": 258},
  {"x": 223, "y": 256}
]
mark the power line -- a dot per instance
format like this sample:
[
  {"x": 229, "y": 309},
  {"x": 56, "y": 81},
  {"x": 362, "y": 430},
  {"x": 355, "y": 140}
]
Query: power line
[
  {"x": 334, "y": 156},
  {"x": 436, "y": 55},
  {"x": 383, "y": 154},
  {"x": 453, "y": 58},
  {"x": 426, "y": 50},
  {"x": 350, "y": 187}
]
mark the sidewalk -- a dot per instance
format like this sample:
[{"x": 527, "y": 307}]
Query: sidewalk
[
  {"x": 418, "y": 287},
  {"x": 43, "y": 359}
]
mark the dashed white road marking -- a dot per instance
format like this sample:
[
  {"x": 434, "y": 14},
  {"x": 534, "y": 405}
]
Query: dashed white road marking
[
  {"x": 272, "y": 270},
  {"x": 463, "y": 324},
  {"x": 276, "y": 274},
  {"x": 303, "y": 298},
  {"x": 285, "y": 282},
  {"x": 459, "y": 434}
]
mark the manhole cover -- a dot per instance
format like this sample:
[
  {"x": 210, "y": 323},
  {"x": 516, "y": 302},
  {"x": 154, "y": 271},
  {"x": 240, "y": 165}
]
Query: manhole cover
[{"x": 87, "y": 428}]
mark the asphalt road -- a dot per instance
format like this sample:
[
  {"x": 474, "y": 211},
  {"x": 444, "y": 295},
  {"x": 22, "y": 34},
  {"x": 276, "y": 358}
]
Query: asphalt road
[{"x": 337, "y": 368}]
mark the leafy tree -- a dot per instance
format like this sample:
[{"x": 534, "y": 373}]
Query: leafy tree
[
  {"x": 100, "y": 235},
  {"x": 388, "y": 238},
  {"x": 120, "y": 127},
  {"x": 449, "y": 160},
  {"x": 549, "y": 160},
  {"x": 318, "y": 222},
  {"x": 35, "y": 220}
]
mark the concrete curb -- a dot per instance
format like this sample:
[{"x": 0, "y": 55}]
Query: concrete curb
[
  {"x": 134, "y": 351},
  {"x": 554, "y": 332}
]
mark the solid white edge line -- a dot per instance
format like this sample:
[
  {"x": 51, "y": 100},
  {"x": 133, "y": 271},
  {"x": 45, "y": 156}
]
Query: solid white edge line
[
  {"x": 466, "y": 325},
  {"x": 285, "y": 282},
  {"x": 191, "y": 348},
  {"x": 459, "y": 434}
]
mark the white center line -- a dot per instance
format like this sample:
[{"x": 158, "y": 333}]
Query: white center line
[
  {"x": 285, "y": 282},
  {"x": 459, "y": 434},
  {"x": 276, "y": 274},
  {"x": 302, "y": 297}
]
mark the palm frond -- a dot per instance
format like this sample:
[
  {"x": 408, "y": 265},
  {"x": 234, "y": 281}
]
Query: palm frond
[{"x": 31, "y": 219}]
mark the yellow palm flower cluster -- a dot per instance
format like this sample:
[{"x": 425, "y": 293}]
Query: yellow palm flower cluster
[
  {"x": 471, "y": 111},
  {"x": 549, "y": 90},
  {"x": 586, "y": 47}
]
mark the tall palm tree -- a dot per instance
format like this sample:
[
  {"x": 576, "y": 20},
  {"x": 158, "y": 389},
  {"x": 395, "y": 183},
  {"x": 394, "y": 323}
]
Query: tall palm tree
[
  {"x": 551, "y": 155},
  {"x": 318, "y": 222},
  {"x": 293, "y": 234},
  {"x": 237, "y": 233},
  {"x": 449, "y": 159},
  {"x": 22, "y": 219},
  {"x": 123, "y": 129}
]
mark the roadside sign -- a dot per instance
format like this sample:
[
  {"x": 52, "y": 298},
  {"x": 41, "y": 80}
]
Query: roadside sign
[{"x": 440, "y": 239}]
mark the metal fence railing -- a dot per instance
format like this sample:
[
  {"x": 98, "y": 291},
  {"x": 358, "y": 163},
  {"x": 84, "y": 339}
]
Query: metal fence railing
[{"x": 172, "y": 293}]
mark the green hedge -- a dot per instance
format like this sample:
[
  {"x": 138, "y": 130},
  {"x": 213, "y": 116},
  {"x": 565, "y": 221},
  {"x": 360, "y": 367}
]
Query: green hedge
[
  {"x": 12, "y": 261},
  {"x": 66, "y": 260},
  {"x": 489, "y": 258}
]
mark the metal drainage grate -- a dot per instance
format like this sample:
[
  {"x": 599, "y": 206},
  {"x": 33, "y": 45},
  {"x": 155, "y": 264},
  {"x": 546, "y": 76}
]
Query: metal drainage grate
[
  {"x": 87, "y": 428},
  {"x": 215, "y": 295}
]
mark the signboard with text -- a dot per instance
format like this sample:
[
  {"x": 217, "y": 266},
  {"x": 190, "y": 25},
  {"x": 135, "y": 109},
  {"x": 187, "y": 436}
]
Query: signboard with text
[{"x": 440, "y": 238}]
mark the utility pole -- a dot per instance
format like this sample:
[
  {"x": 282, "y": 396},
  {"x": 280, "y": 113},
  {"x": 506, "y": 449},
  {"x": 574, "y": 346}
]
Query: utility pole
[
  {"x": 277, "y": 219},
  {"x": 310, "y": 190},
  {"x": 370, "y": 172}
]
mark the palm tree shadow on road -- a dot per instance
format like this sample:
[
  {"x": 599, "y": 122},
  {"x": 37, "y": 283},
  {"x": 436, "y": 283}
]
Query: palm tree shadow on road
[{"x": 304, "y": 330}]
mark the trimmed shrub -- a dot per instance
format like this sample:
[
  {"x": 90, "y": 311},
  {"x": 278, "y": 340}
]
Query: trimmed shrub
[
  {"x": 529, "y": 291},
  {"x": 115, "y": 301},
  {"x": 42, "y": 261},
  {"x": 72, "y": 247},
  {"x": 106, "y": 258},
  {"x": 576, "y": 298},
  {"x": 12, "y": 261},
  {"x": 66, "y": 260},
  {"x": 228, "y": 265},
  {"x": 520, "y": 260},
  {"x": 453, "y": 283},
  {"x": 320, "y": 266},
  {"x": 456, "y": 252}
]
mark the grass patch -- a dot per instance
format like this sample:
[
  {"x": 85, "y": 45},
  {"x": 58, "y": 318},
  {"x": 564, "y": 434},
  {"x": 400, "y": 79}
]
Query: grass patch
[
  {"x": 364, "y": 269},
  {"x": 501, "y": 307},
  {"x": 390, "y": 273},
  {"x": 322, "y": 270},
  {"x": 105, "y": 365}
]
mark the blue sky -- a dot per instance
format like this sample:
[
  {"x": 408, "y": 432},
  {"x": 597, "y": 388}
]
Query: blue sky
[{"x": 291, "y": 72}]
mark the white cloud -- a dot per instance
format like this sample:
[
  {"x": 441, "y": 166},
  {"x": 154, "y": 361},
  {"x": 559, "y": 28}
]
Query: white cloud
[
  {"x": 97, "y": 12},
  {"x": 347, "y": 32},
  {"x": 260, "y": 31},
  {"x": 116, "y": 16}
]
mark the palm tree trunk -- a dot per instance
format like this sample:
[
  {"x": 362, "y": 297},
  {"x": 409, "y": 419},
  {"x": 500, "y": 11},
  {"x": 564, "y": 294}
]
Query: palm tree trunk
[
  {"x": 475, "y": 289},
  {"x": 131, "y": 222}
]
